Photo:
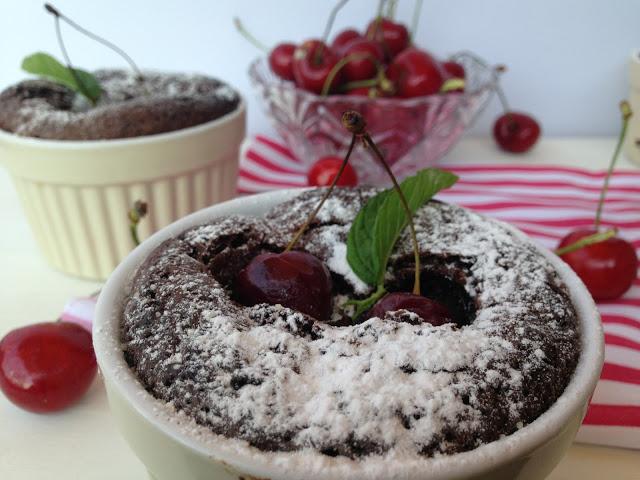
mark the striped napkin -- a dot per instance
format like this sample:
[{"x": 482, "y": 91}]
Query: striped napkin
[{"x": 545, "y": 202}]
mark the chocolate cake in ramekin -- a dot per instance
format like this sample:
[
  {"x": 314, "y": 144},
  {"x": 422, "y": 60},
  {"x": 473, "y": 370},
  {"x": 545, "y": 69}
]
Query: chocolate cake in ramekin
[
  {"x": 128, "y": 107},
  {"x": 269, "y": 392},
  {"x": 169, "y": 139}
]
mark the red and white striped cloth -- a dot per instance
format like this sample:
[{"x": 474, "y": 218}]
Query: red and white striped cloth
[{"x": 545, "y": 202}]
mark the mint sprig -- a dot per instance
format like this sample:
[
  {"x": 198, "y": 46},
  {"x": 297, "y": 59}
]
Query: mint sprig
[
  {"x": 378, "y": 225},
  {"x": 46, "y": 66},
  {"x": 361, "y": 254}
]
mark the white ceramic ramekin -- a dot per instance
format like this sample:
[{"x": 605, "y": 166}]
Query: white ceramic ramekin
[
  {"x": 171, "y": 447},
  {"x": 76, "y": 194}
]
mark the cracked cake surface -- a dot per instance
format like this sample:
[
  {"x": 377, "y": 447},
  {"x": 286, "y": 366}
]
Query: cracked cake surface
[
  {"x": 283, "y": 381},
  {"x": 127, "y": 108}
]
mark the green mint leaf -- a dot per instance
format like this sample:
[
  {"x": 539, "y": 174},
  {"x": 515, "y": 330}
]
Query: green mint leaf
[
  {"x": 391, "y": 218},
  {"x": 46, "y": 66},
  {"x": 360, "y": 255},
  {"x": 380, "y": 222}
]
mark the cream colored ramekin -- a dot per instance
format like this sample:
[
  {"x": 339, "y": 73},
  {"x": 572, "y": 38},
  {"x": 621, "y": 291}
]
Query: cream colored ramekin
[
  {"x": 76, "y": 194},
  {"x": 172, "y": 448}
]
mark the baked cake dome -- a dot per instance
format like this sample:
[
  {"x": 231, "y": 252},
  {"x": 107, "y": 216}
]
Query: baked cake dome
[
  {"x": 283, "y": 381},
  {"x": 128, "y": 107}
]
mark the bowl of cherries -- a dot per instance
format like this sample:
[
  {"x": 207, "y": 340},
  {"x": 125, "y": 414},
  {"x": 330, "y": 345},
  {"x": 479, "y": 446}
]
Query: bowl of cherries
[{"x": 417, "y": 105}]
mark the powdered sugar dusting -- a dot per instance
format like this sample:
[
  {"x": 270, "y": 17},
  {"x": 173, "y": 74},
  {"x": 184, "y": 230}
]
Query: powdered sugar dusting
[
  {"x": 282, "y": 381},
  {"x": 127, "y": 107}
]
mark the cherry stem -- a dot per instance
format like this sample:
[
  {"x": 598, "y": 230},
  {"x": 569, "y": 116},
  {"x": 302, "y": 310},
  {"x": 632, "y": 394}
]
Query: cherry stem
[
  {"x": 625, "y": 109},
  {"x": 249, "y": 37},
  {"x": 326, "y": 195},
  {"x": 340, "y": 65},
  {"x": 416, "y": 19},
  {"x": 371, "y": 82},
  {"x": 586, "y": 241},
  {"x": 55, "y": 12},
  {"x": 332, "y": 17},
  {"x": 403, "y": 200},
  {"x": 374, "y": 31},
  {"x": 317, "y": 56},
  {"x": 365, "y": 304},
  {"x": 452, "y": 84},
  {"x": 391, "y": 9},
  {"x": 355, "y": 123},
  {"x": 503, "y": 98},
  {"x": 137, "y": 213},
  {"x": 79, "y": 83}
]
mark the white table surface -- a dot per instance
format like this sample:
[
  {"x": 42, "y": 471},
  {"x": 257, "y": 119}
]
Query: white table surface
[{"x": 82, "y": 442}]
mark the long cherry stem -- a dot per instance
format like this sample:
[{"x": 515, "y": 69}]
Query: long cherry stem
[
  {"x": 326, "y": 195},
  {"x": 391, "y": 9},
  {"x": 83, "y": 88},
  {"x": 331, "y": 19},
  {"x": 317, "y": 55},
  {"x": 625, "y": 109},
  {"x": 403, "y": 200},
  {"x": 378, "y": 21},
  {"x": 54, "y": 11},
  {"x": 371, "y": 82},
  {"x": 416, "y": 19},
  {"x": 355, "y": 123},
  {"x": 501, "y": 96},
  {"x": 249, "y": 37},
  {"x": 588, "y": 240}
]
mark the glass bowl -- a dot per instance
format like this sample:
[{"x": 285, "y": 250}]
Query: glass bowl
[{"x": 412, "y": 133}]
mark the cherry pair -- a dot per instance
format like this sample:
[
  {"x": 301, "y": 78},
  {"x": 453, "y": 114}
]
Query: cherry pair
[{"x": 300, "y": 281}]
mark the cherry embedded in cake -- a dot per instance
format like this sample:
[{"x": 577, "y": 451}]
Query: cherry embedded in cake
[{"x": 281, "y": 380}]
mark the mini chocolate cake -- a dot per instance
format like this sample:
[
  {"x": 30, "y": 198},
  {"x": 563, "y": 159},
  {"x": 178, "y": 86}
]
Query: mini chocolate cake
[
  {"x": 283, "y": 381},
  {"x": 127, "y": 107}
]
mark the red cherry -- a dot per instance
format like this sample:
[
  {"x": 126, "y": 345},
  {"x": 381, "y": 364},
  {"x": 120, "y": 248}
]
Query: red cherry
[
  {"x": 607, "y": 268},
  {"x": 415, "y": 73},
  {"x": 516, "y": 132},
  {"x": 312, "y": 64},
  {"x": 454, "y": 70},
  {"x": 342, "y": 39},
  {"x": 362, "y": 68},
  {"x": 324, "y": 171},
  {"x": 294, "y": 279},
  {"x": 393, "y": 37},
  {"x": 281, "y": 60},
  {"x": 46, "y": 366},
  {"x": 430, "y": 311}
]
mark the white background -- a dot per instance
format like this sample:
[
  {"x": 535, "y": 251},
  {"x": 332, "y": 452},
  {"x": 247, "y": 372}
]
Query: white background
[{"x": 567, "y": 58}]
